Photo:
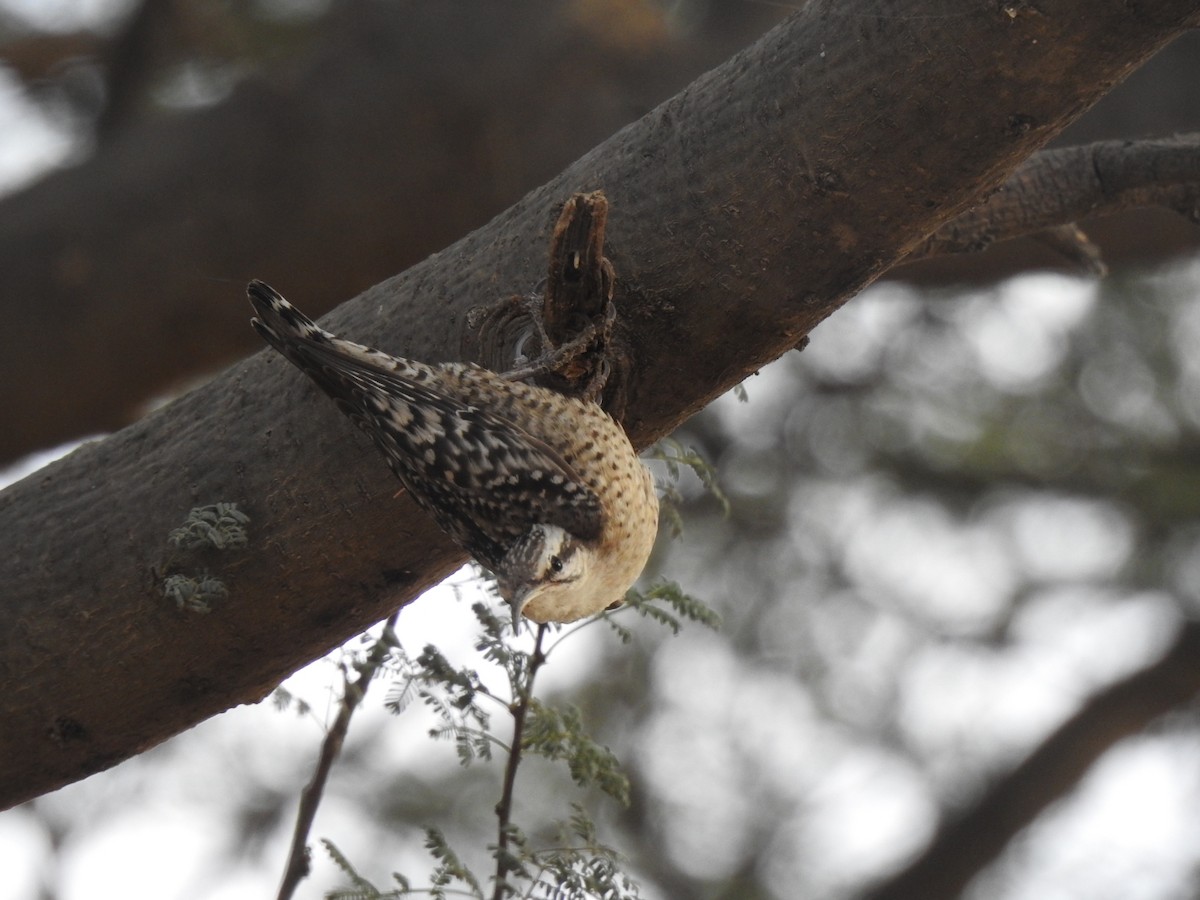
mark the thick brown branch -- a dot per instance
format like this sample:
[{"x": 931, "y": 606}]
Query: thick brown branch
[
  {"x": 964, "y": 846},
  {"x": 742, "y": 212}
]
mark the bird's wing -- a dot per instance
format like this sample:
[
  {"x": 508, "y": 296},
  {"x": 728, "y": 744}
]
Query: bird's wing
[{"x": 485, "y": 479}]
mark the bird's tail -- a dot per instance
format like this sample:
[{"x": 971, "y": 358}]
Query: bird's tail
[
  {"x": 281, "y": 324},
  {"x": 300, "y": 339},
  {"x": 346, "y": 371}
]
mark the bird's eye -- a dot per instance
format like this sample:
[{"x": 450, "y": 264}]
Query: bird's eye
[{"x": 556, "y": 564}]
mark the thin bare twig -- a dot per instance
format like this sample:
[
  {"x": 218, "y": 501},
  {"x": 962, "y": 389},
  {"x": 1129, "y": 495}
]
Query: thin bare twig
[
  {"x": 520, "y": 710},
  {"x": 298, "y": 864}
]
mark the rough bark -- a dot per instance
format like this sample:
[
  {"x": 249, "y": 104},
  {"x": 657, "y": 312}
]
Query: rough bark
[{"x": 743, "y": 211}]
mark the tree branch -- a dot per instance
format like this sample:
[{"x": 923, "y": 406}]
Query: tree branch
[
  {"x": 742, "y": 212},
  {"x": 1062, "y": 186}
]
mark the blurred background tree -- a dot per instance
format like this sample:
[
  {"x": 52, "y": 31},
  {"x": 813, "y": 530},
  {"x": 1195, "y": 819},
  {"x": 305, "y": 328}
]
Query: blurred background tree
[{"x": 962, "y": 532}]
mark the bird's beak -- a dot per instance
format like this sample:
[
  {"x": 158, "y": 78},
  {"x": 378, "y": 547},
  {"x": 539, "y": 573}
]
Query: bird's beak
[{"x": 517, "y": 600}]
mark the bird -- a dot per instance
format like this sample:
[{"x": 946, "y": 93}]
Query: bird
[{"x": 542, "y": 488}]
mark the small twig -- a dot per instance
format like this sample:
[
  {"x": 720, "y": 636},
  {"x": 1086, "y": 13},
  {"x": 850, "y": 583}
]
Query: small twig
[
  {"x": 310, "y": 798},
  {"x": 520, "y": 710}
]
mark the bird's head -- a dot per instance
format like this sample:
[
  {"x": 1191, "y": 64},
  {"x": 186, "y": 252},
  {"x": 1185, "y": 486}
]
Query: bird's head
[{"x": 551, "y": 576}]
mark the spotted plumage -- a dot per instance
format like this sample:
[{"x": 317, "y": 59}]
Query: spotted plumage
[{"x": 543, "y": 489}]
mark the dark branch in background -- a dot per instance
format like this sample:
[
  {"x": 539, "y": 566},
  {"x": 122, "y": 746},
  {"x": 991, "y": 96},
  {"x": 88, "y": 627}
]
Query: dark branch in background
[
  {"x": 1056, "y": 188},
  {"x": 161, "y": 34},
  {"x": 965, "y": 845},
  {"x": 129, "y": 61},
  {"x": 373, "y": 166},
  {"x": 299, "y": 858}
]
